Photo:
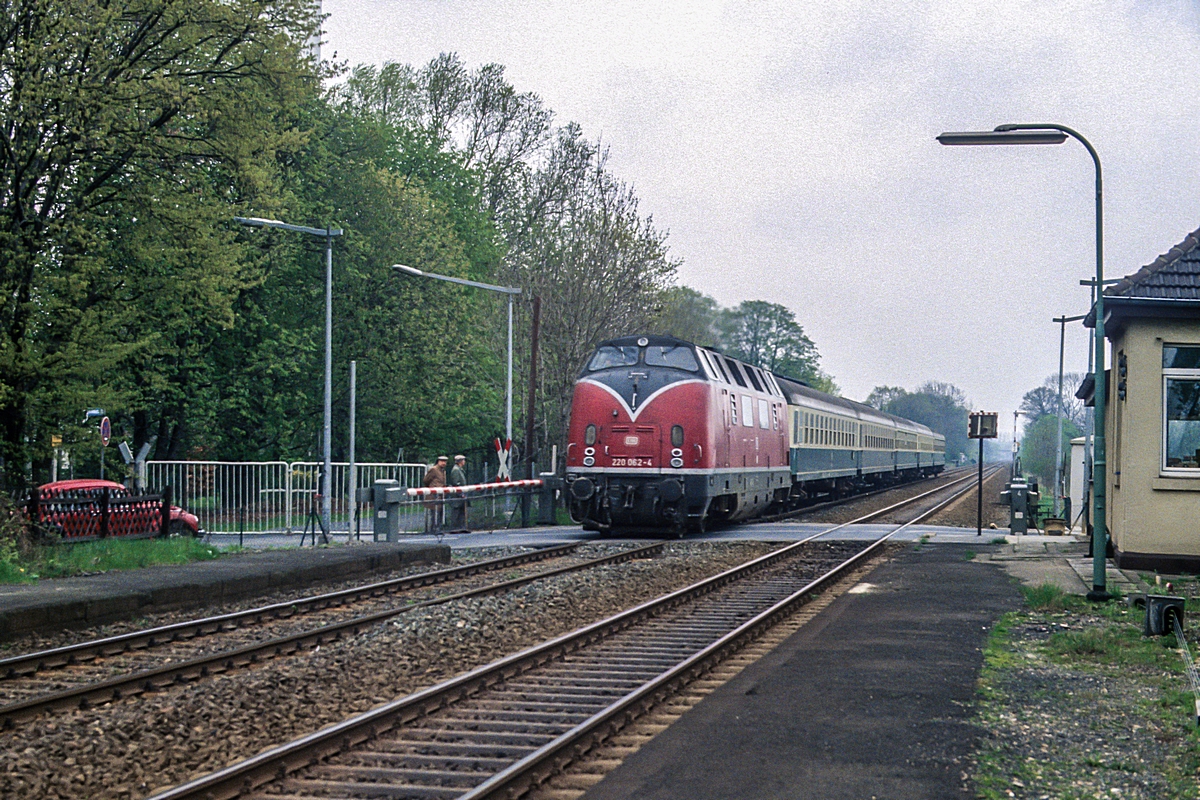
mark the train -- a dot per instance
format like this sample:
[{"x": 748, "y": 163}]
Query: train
[{"x": 665, "y": 435}]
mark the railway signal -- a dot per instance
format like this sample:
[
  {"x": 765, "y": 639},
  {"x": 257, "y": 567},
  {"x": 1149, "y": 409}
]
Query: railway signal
[{"x": 981, "y": 425}]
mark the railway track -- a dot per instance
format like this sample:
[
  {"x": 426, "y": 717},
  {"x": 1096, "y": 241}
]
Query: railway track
[
  {"x": 506, "y": 727},
  {"x": 828, "y": 504},
  {"x": 23, "y": 672}
]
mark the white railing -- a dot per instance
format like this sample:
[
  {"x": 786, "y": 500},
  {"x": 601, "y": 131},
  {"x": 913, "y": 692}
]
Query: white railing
[{"x": 268, "y": 496}]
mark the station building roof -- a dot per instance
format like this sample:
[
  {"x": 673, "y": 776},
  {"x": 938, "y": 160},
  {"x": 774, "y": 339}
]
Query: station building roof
[{"x": 1168, "y": 287}]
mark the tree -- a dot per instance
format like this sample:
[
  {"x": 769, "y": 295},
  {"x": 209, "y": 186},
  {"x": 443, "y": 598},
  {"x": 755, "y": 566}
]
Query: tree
[
  {"x": 103, "y": 102},
  {"x": 940, "y": 406},
  {"x": 689, "y": 315},
  {"x": 882, "y": 396},
  {"x": 1043, "y": 400},
  {"x": 768, "y": 335},
  {"x": 1038, "y": 449}
]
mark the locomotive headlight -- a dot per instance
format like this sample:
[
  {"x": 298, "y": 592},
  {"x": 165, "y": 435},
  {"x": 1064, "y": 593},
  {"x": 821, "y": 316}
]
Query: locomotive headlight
[
  {"x": 675, "y": 462},
  {"x": 589, "y": 451},
  {"x": 589, "y": 435},
  {"x": 589, "y": 461},
  {"x": 677, "y": 453}
]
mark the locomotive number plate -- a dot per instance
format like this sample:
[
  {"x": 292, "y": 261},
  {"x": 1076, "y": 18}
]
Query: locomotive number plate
[
  {"x": 619, "y": 461},
  {"x": 631, "y": 441}
]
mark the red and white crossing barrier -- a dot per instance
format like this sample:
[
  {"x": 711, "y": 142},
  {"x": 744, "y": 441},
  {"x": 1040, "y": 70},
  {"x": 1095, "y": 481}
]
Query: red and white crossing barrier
[{"x": 475, "y": 488}]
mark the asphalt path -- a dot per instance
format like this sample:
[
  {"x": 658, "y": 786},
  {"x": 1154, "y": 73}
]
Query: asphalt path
[{"x": 546, "y": 536}]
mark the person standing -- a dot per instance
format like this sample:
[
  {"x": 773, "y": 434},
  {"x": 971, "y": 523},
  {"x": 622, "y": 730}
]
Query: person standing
[
  {"x": 458, "y": 506},
  {"x": 435, "y": 507}
]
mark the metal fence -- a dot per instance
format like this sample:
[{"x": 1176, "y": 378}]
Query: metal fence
[{"x": 268, "y": 496}]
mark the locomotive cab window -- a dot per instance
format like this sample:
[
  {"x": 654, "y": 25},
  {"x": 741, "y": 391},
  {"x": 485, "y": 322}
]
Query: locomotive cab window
[
  {"x": 753, "y": 378},
  {"x": 675, "y": 356},
  {"x": 608, "y": 357}
]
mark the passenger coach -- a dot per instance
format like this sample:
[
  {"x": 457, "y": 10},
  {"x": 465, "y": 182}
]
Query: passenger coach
[{"x": 665, "y": 434}]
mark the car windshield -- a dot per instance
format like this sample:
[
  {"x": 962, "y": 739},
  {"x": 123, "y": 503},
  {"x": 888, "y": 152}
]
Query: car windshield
[
  {"x": 608, "y": 357},
  {"x": 676, "y": 356}
]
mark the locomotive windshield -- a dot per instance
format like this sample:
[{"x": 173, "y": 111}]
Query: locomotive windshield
[
  {"x": 608, "y": 357},
  {"x": 675, "y": 356}
]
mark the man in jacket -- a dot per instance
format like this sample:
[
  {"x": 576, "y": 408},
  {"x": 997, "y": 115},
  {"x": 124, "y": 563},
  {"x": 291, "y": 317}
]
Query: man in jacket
[
  {"x": 458, "y": 505},
  {"x": 435, "y": 508}
]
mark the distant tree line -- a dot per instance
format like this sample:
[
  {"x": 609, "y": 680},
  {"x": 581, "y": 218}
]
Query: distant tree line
[
  {"x": 134, "y": 132},
  {"x": 942, "y": 407}
]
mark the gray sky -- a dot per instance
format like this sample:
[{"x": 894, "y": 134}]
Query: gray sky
[{"x": 789, "y": 151}]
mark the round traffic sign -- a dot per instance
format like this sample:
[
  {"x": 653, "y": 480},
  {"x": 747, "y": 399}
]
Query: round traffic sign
[{"x": 105, "y": 431}]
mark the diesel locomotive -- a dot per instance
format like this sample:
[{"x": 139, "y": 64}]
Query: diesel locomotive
[{"x": 668, "y": 435}]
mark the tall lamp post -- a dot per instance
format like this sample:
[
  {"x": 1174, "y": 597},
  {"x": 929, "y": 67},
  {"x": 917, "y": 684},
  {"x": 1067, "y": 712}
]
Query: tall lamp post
[
  {"x": 508, "y": 290},
  {"x": 326, "y": 432},
  {"x": 1051, "y": 133},
  {"x": 1062, "y": 339}
]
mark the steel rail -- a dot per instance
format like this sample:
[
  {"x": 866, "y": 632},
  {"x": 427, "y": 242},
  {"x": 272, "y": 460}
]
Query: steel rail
[
  {"x": 551, "y": 757},
  {"x": 31, "y": 663},
  {"x": 795, "y": 512},
  {"x": 277, "y": 763},
  {"x": 136, "y": 683}
]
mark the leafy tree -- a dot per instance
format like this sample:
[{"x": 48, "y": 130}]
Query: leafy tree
[
  {"x": 940, "y": 406},
  {"x": 1043, "y": 400},
  {"x": 882, "y": 396},
  {"x": 768, "y": 335},
  {"x": 1038, "y": 450},
  {"x": 103, "y": 102},
  {"x": 689, "y": 315}
]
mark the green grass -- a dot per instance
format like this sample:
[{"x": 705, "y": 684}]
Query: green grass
[
  {"x": 65, "y": 560},
  {"x": 1047, "y": 597},
  {"x": 999, "y": 540},
  {"x": 1103, "y": 640}
]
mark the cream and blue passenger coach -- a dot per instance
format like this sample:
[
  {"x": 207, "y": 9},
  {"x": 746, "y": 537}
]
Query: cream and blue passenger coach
[{"x": 838, "y": 444}]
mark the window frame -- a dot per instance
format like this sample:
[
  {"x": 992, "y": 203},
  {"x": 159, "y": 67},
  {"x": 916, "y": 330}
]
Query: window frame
[{"x": 1177, "y": 374}]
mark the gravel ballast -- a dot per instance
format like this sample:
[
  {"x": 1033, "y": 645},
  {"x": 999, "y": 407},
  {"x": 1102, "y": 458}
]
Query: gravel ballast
[{"x": 131, "y": 748}]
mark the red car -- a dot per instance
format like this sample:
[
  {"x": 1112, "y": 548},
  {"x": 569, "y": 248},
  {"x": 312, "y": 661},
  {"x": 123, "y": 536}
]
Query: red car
[{"x": 73, "y": 509}]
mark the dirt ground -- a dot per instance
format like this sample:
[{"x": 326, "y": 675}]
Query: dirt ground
[{"x": 962, "y": 513}]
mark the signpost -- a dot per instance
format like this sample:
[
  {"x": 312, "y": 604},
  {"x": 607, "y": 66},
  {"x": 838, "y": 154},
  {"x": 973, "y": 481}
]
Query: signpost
[
  {"x": 105, "y": 437},
  {"x": 981, "y": 425}
]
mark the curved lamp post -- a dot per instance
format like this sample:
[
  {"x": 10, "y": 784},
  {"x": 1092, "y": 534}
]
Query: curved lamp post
[
  {"x": 326, "y": 447},
  {"x": 1051, "y": 133},
  {"x": 508, "y": 290}
]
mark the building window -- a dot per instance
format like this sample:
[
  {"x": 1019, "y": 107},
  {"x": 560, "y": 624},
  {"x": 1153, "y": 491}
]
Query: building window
[{"x": 1181, "y": 409}]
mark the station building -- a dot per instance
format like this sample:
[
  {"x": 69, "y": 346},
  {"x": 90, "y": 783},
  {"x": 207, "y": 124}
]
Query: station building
[{"x": 1152, "y": 322}]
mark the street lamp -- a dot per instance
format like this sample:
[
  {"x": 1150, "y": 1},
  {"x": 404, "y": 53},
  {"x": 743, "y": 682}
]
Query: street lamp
[
  {"x": 326, "y": 433},
  {"x": 1062, "y": 338},
  {"x": 1051, "y": 133},
  {"x": 508, "y": 290}
]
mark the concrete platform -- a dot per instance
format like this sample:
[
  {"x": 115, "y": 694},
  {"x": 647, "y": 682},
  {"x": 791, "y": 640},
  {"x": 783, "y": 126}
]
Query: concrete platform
[
  {"x": 872, "y": 699},
  {"x": 96, "y": 599}
]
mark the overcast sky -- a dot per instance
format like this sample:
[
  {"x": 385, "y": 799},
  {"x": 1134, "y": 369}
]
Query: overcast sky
[{"x": 788, "y": 149}]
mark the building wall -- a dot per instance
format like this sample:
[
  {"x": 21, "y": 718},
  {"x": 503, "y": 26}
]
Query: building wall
[{"x": 1148, "y": 513}]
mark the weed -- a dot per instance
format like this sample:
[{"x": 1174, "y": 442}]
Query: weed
[
  {"x": 999, "y": 540},
  {"x": 969, "y": 555},
  {"x": 64, "y": 560},
  {"x": 1046, "y": 597}
]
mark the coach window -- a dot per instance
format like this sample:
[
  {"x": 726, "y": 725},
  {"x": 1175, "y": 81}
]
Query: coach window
[{"x": 1181, "y": 409}]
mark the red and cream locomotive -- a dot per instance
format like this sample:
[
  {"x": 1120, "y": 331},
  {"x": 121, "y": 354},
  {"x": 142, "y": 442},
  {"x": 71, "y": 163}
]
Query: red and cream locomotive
[{"x": 668, "y": 435}]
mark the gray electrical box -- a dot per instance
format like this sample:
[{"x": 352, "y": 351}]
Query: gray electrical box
[
  {"x": 386, "y": 495},
  {"x": 1022, "y": 500}
]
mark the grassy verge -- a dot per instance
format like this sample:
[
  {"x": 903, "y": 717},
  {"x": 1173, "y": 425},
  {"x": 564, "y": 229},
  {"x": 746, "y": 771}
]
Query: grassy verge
[
  {"x": 1076, "y": 703},
  {"x": 63, "y": 560}
]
